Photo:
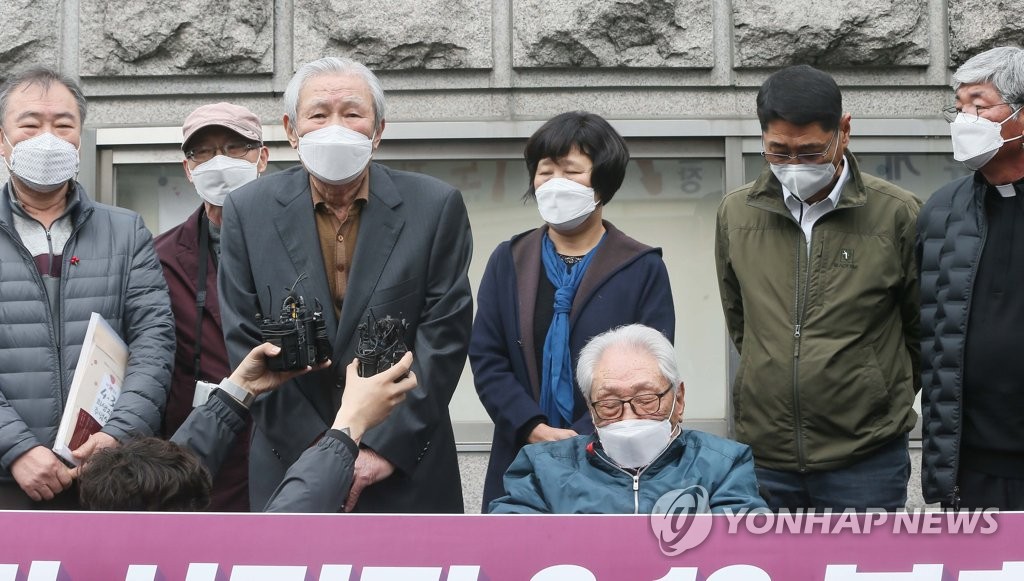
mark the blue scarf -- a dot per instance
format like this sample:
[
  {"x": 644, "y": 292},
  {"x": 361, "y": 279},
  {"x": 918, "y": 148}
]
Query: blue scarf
[{"x": 556, "y": 386}]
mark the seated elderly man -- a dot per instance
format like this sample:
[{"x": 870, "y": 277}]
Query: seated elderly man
[{"x": 630, "y": 380}]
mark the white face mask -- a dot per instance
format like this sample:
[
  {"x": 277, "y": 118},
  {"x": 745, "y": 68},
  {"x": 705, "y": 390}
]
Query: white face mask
[
  {"x": 636, "y": 443},
  {"x": 334, "y": 154},
  {"x": 804, "y": 180},
  {"x": 976, "y": 140},
  {"x": 565, "y": 204},
  {"x": 44, "y": 162},
  {"x": 216, "y": 178}
]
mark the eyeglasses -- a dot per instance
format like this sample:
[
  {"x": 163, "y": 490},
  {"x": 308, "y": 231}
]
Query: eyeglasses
[
  {"x": 950, "y": 113},
  {"x": 800, "y": 157},
  {"x": 235, "y": 150},
  {"x": 645, "y": 404}
]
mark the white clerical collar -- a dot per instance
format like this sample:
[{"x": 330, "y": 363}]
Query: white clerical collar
[{"x": 1006, "y": 190}]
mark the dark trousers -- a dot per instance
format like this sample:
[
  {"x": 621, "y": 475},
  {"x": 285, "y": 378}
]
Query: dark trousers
[
  {"x": 876, "y": 482},
  {"x": 979, "y": 490},
  {"x": 12, "y": 497}
]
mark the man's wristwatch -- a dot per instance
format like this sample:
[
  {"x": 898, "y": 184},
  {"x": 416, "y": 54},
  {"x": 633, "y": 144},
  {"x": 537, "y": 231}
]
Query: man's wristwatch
[{"x": 237, "y": 392}]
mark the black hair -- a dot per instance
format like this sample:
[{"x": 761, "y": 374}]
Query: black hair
[
  {"x": 145, "y": 474},
  {"x": 800, "y": 95},
  {"x": 593, "y": 136}
]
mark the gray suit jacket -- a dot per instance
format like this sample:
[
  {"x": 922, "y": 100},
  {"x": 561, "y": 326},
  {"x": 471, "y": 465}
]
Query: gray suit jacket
[{"x": 411, "y": 258}]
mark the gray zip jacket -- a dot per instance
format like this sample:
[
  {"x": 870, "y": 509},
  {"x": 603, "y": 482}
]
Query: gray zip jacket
[
  {"x": 319, "y": 481},
  {"x": 109, "y": 267}
]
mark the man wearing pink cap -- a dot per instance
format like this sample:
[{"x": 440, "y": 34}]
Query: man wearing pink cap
[{"x": 223, "y": 147}]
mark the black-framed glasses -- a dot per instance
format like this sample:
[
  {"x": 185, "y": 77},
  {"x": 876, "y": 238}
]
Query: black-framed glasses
[
  {"x": 645, "y": 404},
  {"x": 799, "y": 157},
  {"x": 950, "y": 113},
  {"x": 236, "y": 150}
]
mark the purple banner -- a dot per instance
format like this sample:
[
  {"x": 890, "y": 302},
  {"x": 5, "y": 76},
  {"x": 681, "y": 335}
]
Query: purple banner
[{"x": 919, "y": 546}]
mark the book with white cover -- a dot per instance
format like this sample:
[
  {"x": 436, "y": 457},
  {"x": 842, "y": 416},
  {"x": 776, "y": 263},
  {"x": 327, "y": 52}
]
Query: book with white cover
[{"x": 95, "y": 387}]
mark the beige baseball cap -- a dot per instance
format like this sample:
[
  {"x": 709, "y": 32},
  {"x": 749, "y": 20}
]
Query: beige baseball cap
[{"x": 234, "y": 117}]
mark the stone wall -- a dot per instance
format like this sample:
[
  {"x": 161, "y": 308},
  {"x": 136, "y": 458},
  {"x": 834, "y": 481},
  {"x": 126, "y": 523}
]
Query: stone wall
[
  {"x": 148, "y": 62},
  {"x": 175, "y": 37},
  {"x": 768, "y": 33},
  {"x": 30, "y": 34},
  {"x": 620, "y": 33},
  {"x": 423, "y": 34}
]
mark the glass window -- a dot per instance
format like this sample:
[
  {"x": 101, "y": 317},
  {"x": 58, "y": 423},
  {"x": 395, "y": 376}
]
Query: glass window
[{"x": 921, "y": 173}]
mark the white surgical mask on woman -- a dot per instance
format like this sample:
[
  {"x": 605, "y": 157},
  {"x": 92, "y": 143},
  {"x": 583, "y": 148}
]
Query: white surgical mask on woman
[
  {"x": 44, "y": 162},
  {"x": 976, "y": 140},
  {"x": 216, "y": 178},
  {"x": 636, "y": 443},
  {"x": 334, "y": 154},
  {"x": 565, "y": 204}
]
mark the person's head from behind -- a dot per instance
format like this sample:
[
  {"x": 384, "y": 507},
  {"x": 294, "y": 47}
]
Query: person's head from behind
[
  {"x": 631, "y": 383},
  {"x": 577, "y": 162},
  {"x": 145, "y": 474},
  {"x": 803, "y": 129}
]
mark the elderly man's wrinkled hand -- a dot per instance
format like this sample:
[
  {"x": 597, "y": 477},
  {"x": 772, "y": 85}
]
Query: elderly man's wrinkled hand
[
  {"x": 370, "y": 469},
  {"x": 41, "y": 474}
]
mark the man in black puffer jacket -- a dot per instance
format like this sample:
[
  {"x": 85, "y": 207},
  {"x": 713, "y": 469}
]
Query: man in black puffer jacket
[
  {"x": 972, "y": 305},
  {"x": 63, "y": 257}
]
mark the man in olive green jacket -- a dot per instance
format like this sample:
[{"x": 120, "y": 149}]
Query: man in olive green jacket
[{"x": 818, "y": 278}]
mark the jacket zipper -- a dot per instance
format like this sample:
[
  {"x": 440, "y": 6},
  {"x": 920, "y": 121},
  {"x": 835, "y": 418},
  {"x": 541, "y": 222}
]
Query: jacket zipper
[
  {"x": 799, "y": 308},
  {"x": 31, "y": 263},
  {"x": 82, "y": 219},
  {"x": 636, "y": 477}
]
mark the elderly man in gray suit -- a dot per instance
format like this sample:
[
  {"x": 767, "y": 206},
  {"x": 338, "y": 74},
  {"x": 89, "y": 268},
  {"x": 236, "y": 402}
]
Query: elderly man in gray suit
[{"x": 360, "y": 238}]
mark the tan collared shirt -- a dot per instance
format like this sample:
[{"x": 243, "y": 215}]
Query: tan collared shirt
[{"x": 338, "y": 240}]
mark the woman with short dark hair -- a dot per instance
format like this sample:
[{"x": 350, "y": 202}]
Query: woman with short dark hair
[{"x": 547, "y": 291}]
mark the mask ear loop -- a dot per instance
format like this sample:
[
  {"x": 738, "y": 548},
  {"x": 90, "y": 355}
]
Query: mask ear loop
[
  {"x": 7, "y": 162},
  {"x": 1012, "y": 115},
  {"x": 832, "y": 162},
  {"x": 678, "y": 428}
]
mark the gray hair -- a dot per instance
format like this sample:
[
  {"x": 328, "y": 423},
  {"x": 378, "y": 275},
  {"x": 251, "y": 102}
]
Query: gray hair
[
  {"x": 332, "y": 65},
  {"x": 636, "y": 336},
  {"x": 1002, "y": 66},
  {"x": 43, "y": 77}
]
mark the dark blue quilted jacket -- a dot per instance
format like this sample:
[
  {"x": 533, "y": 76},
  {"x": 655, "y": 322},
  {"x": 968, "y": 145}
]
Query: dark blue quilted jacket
[{"x": 951, "y": 235}]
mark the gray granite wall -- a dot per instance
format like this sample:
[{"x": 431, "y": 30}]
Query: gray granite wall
[
  {"x": 148, "y": 62},
  {"x": 30, "y": 34},
  {"x": 175, "y": 37}
]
